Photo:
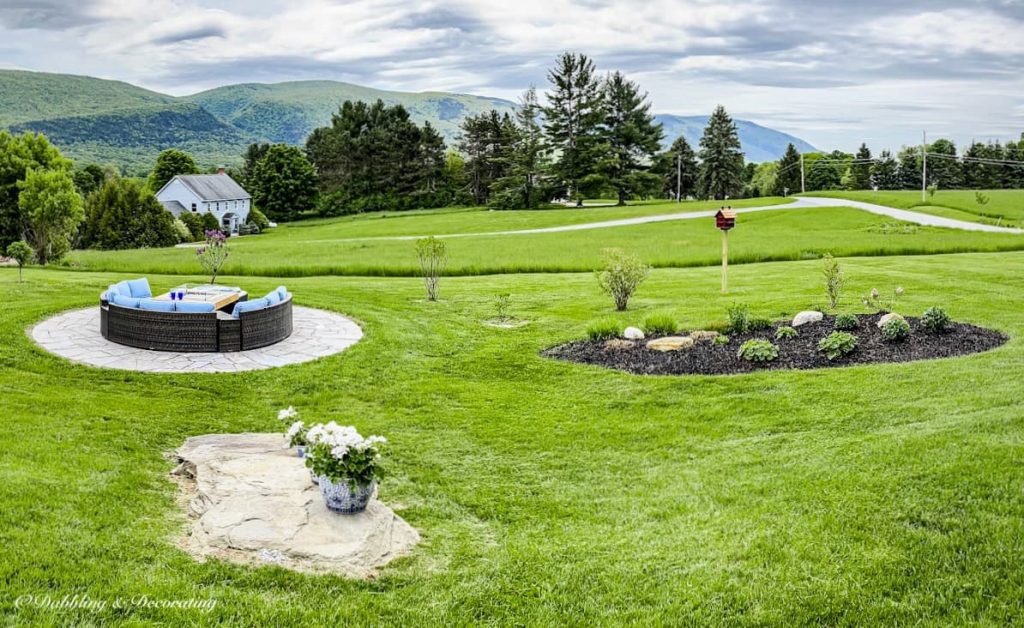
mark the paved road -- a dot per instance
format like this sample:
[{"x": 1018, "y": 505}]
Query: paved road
[{"x": 798, "y": 203}]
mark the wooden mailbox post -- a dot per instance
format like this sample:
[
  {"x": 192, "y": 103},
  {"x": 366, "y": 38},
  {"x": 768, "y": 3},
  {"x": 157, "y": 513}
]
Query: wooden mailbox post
[{"x": 725, "y": 219}]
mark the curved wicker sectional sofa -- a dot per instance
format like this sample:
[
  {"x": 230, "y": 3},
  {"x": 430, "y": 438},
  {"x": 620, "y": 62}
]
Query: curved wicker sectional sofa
[{"x": 214, "y": 331}]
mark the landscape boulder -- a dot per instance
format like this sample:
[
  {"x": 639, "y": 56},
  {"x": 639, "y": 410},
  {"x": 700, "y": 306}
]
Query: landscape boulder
[
  {"x": 671, "y": 343},
  {"x": 251, "y": 500},
  {"x": 807, "y": 316},
  {"x": 618, "y": 344},
  {"x": 704, "y": 335},
  {"x": 633, "y": 333}
]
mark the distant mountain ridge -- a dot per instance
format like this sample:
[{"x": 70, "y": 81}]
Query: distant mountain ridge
[{"x": 116, "y": 123}]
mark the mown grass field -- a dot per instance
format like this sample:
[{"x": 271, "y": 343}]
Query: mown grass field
[
  {"x": 546, "y": 492},
  {"x": 1004, "y": 207},
  {"x": 783, "y": 234}
]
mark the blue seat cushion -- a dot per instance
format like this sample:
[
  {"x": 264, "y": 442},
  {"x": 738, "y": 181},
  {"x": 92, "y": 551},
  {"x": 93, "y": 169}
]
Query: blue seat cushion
[
  {"x": 140, "y": 288},
  {"x": 155, "y": 305},
  {"x": 193, "y": 307},
  {"x": 123, "y": 288},
  {"x": 273, "y": 297},
  {"x": 249, "y": 306},
  {"x": 119, "y": 299},
  {"x": 281, "y": 290},
  {"x": 108, "y": 294}
]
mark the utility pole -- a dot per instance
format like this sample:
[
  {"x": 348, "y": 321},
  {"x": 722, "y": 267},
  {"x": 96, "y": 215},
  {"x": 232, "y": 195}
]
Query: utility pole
[
  {"x": 924, "y": 164},
  {"x": 679, "y": 177},
  {"x": 802, "y": 188}
]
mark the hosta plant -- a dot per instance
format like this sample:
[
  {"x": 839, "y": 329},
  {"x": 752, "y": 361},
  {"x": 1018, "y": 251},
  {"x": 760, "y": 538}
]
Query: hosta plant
[
  {"x": 846, "y": 322},
  {"x": 895, "y": 330},
  {"x": 758, "y": 351},
  {"x": 837, "y": 344},
  {"x": 786, "y": 333}
]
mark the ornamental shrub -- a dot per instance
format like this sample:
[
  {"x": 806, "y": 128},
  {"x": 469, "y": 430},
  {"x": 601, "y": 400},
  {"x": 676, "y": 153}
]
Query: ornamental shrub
[
  {"x": 721, "y": 340},
  {"x": 257, "y": 218},
  {"x": 935, "y": 320},
  {"x": 622, "y": 275},
  {"x": 660, "y": 325},
  {"x": 785, "y": 333},
  {"x": 739, "y": 318},
  {"x": 847, "y": 322},
  {"x": 604, "y": 329},
  {"x": 837, "y": 344},
  {"x": 758, "y": 351},
  {"x": 895, "y": 330},
  {"x": 432, "y": 255}
]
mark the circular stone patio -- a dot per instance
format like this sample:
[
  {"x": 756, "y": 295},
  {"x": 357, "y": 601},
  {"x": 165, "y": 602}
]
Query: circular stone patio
[{"x": 75, "y": 335}]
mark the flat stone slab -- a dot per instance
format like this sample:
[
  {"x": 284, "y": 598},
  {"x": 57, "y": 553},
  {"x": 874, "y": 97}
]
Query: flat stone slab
[
  {"x": 671, "y": 343},
  {"x": 251, "y": 500},
  {"x": 75, "y": 335}
]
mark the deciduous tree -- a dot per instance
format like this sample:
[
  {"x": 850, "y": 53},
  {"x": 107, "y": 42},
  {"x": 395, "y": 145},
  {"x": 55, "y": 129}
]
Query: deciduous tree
[
  {"x": 169, "y": 164},
  {"x": 284, "y": 184},
  {"x": 52, "y": 210}
]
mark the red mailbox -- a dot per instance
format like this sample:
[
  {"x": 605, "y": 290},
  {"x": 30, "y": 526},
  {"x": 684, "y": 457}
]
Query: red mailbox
[{"x": 725, "y": 219}]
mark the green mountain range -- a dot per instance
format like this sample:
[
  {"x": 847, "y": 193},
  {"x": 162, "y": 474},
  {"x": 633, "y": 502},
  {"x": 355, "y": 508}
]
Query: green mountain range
[{"x": 111, "y": 122}]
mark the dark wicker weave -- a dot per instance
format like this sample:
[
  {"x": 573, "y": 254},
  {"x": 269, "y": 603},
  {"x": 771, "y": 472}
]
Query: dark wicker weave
[{"x": 187, "y": 332}]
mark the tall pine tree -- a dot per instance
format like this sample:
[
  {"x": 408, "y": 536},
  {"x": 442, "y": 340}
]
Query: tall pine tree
[
  {"x": 678, "y": 169},
  {"x": 885, "y": 172},
  {"x": 527, "y": 159},
  {"x": 860, "y": 170},
  {"x": 721, "y": 156},
  {"x": 572, "y": 121},
  {"x": 631, "y": 135},
  {"x": 788, "y": 179}
]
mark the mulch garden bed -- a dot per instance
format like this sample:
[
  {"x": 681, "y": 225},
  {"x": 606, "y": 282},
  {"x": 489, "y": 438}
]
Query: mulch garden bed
[{"x": 706, "y": 358}]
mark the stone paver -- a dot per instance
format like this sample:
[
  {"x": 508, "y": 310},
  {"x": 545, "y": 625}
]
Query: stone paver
[{"x": 75, "y": 335}]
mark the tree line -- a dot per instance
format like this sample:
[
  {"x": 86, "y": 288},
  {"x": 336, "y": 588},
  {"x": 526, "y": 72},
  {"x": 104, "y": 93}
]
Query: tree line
[{"x": 992, "y": 165}]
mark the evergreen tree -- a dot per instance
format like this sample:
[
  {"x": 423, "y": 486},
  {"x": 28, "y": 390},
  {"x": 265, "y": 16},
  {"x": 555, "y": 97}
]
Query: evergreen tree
[
  {"x": 572, "y": 122},
  {"x": 374, "y": 157},
  {"x": 252, "y": 156},
  {"x": 860, "y": 172},
  {"x": 910, "y": 168},
  {"x": 788, "y": 179},
  {"x": 1013, "y": 174},
  {"x": 943, "y": 168},
  {"x": 721, "y": 157},
  {"x": 631, "y": 135},
  {"x": 522, "y": 185},
  {"x": 283, "y": 183},
  {"x": 124, "y": 214},
  {"x": 18, "y": 155},
  {"x": 169, "y": 164},
  {"x": 52, "y": 210},
  {"x": 885, "y": 172},
  {"x": 678, "y": 168},
  {"x": 487, "y": 140},
  {"x": 89, "y": 179}
]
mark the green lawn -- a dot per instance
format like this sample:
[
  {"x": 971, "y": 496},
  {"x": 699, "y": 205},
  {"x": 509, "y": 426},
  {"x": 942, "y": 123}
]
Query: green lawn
[
  {"x": 550, "y": 493},
  {"x": 1005, "y": 207},
  {"x": 311, "y": 249}
]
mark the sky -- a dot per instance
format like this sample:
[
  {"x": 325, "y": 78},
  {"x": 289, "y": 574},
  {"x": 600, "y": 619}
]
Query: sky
[{"x": 833, "y": 73}]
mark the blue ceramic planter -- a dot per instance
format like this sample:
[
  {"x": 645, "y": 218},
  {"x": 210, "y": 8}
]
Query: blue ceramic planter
[{"x": 340, "y": 497}]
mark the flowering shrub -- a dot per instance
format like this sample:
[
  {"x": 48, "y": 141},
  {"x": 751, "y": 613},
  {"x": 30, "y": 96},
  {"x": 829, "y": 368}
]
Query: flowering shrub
[
  {"x": 296, "y": 434},
  {"x": 213, "y": 255},
  {"x": 287, "y": 413},
  {"x": 758, "y": 351},
  {"x": 935, "y": 320},
  {"x": 877, "y": 302},
  {"x": 339, "y": 453},
  {"x": 622, "y": 275}
]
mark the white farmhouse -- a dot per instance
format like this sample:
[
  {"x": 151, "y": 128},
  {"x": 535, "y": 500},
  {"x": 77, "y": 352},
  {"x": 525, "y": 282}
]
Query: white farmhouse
[{"x": 218, "y": 194}]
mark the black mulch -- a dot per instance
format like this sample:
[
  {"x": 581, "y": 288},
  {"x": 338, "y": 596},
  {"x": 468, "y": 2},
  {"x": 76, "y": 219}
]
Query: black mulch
[{"x": 802, "y": 352}]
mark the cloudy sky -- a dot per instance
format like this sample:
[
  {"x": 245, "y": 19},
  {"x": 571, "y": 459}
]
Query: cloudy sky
[{"x": 834, "y": 73}]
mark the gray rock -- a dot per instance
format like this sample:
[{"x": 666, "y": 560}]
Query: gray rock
[
  {"x": 808, "y": 316},
  {"x": 633, "y": 333},
  {"x": 250, "y": 498},
  {"x": 888, "y": 317}
]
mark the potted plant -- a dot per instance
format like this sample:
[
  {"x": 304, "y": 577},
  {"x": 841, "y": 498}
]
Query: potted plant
[
  {"x": 296, "y": 432},
  {"x": 346, "y": 465}
]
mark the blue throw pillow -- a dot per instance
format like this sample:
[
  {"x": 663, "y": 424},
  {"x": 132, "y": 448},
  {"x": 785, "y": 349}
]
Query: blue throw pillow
[
  {"x": 123, "y": 289},
  {"x": 155, "y": 305},
  {"x": 140, "y": 288},
  {"x": 281, "y": 290},
  {"x": 119, "y": 299},
  {"x": 273, "y": 298},
  {"x": 249, "y": 306},
  {"x": 108, "y": 294},
  {"x": 193, "y": 307}
]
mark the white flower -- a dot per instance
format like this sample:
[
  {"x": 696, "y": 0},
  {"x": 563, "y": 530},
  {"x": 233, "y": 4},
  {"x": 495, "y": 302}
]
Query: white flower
[
  {"x": 287, "y": 413},
  {"x": 296, "y": 428}
]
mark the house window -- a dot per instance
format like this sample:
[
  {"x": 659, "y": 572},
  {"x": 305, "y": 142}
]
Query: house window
[{"x": 193, "y": 208}]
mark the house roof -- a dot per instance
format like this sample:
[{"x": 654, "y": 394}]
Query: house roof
[
  {"x": 213, "y": 187},
  {"x": 173, "y": 206}
]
